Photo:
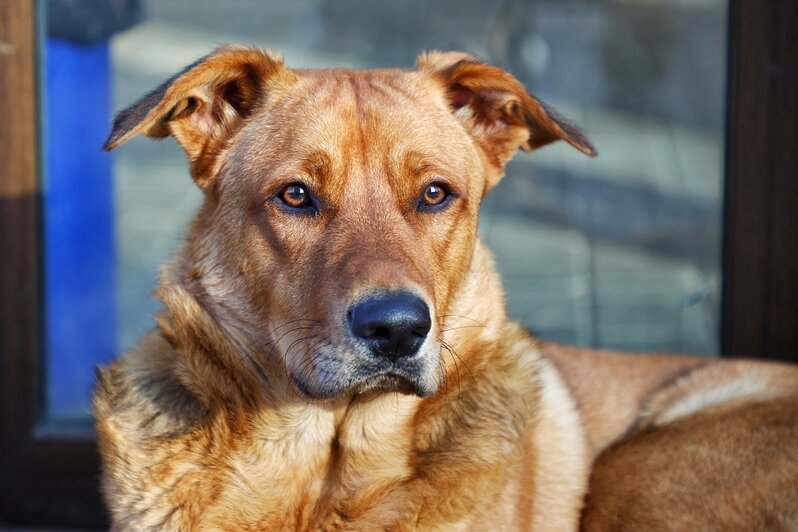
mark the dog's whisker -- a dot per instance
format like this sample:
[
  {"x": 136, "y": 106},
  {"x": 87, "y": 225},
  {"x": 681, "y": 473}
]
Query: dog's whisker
[
  {"x": 287, "y": 353},
  {"x": 447, "y": 404},
  {"x": 249, "y": 355},
  {"x": 310, "y": 362},
  {"x": 462, "y": 327},
  {"x": 234, "y": 337},
  {"x": 462, "y": 316},
  {"x": 456, "y": 369},
  {"x": 298, "y": 340},
  {"x": 442, "y": 378},
  {"x": 276, "y": 342},
  {"x": 457, "y": 372},
  {"x": 308, "y": 350},
  {"x": 453, "y": 351},
  {"x": 309, "y": 357},
  {"x": 291, "y": 322},
  {"x": 291, "y": 384}
]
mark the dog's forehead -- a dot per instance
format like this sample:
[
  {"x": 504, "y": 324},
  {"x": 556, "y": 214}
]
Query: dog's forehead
[
  {"x": 361, "y": 117},
  {"x": 369, "y": 89}
]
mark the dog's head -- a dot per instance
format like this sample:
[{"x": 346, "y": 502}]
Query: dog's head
[{"x": 341, "y": 206}]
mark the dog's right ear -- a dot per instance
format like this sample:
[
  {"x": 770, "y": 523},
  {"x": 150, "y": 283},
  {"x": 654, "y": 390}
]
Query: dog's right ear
[
  {"x": 497, "y": 110},
  {"x": 202, "y": 106}
]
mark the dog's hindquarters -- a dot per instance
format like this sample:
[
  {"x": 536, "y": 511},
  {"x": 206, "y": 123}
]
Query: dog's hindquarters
[{"x": 684, "y": 443}]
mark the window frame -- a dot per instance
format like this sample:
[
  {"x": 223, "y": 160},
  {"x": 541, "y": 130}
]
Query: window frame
[
  {"x": 49, "y": 478},
  {"x": 46, "y": 478},
  {"x": 760, "y": 226}
]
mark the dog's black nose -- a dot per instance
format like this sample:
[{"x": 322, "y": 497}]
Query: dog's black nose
[{"x": 393, "y": 325}]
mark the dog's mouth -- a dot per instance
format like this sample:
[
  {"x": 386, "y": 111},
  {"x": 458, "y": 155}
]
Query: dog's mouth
[
  {"x": 333, "y": 372},
  {"x": 389, "y": 382},
  {"x": 380, "y": 382}
]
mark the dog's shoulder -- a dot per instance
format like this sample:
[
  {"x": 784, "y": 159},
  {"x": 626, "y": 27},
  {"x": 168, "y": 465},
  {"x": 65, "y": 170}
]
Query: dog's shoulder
[
  {"x": 557, "y": 458},
  {"x": 151, "y": 432},
  {"x": 141, "y": 392}
]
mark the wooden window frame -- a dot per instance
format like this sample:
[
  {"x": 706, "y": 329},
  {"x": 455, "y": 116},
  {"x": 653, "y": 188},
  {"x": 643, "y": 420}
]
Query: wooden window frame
[
  {"x": 760, "y": 229},
  {"x": 51, "y": 479},
  {"x": 46, "y": 479}
]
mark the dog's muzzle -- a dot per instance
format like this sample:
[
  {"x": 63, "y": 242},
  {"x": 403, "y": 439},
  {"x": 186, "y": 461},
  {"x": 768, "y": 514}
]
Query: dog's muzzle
[{"x": 386, "y": 351}]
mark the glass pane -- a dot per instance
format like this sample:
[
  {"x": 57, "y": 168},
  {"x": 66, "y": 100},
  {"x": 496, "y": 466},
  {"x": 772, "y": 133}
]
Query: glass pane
[{"x": 621, "y": 251}]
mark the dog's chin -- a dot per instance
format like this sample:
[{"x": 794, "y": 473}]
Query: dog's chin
[{"x": 388, "y": 382}]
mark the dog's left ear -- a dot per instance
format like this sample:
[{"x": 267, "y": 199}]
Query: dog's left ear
[
  {"x": 497, "y": 110},
  {"x": 202, "y": 106}
]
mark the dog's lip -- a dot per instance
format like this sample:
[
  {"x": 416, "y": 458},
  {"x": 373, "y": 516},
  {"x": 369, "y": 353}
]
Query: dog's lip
[
  {"x": 382, "y": 381},
  {"x": 392, "y": 380},
  {"x": 388, "y": 381},
  {"x": 302, "y": 386}
]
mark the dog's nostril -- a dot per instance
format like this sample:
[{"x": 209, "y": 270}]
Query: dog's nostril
[
  {"x": 381, "y": 332},
  {"x": 391, "y": 324}
]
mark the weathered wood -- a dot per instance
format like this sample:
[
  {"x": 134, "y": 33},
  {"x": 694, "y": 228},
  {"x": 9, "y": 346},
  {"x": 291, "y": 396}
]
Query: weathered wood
[
  {"x": 761, "y": 226},
  {"x": 19, "y": 266},
  {"x": 44, "y": 481}
]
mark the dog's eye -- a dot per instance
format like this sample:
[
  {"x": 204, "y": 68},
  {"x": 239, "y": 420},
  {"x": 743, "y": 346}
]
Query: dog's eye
[
  {"x": 295, "y": 196},
  {"x": 434, "y": 195}
]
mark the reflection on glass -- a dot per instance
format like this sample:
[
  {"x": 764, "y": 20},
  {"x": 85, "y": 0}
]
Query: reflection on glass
[{"x": 621, "y": 251}]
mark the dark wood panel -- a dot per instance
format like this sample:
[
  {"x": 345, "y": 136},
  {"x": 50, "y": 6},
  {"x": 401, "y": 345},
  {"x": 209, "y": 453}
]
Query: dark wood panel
[
  {"x": 52, "y": 483},
  {"x": 761, "y": 230},
  {"x": 44, "y": 481},
  {"x": 19, "y": 229}
]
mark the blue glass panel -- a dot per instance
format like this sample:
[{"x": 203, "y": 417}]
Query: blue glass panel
[{"x": 78, "y": 224}]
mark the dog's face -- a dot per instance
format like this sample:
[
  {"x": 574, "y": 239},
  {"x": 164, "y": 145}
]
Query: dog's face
[{"x": 341, "y": 206}]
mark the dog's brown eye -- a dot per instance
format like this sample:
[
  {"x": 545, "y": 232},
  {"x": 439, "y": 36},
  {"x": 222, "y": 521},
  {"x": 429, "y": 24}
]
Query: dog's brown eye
[
  {"x": 434, "y": 195},
  {"x": 295, "y": 196}
]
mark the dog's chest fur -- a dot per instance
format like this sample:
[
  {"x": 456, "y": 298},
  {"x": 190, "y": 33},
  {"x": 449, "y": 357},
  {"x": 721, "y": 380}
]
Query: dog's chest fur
[{"x": 320, "y": 466}]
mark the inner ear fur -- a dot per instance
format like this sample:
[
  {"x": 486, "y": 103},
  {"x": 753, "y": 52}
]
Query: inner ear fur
[
  {"x": 201, "y": 106},
  {"x": 497, "y": 110}
]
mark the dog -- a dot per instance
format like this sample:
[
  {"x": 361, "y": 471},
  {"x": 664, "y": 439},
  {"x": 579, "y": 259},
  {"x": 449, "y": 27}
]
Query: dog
[{"x": 334, "y": 352}]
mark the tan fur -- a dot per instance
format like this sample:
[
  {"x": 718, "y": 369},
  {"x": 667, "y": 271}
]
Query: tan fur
[
  {"x": 685, "y": 443},
  {"x": 730, "y": 468},
  {"x": 235, "y": 413}
]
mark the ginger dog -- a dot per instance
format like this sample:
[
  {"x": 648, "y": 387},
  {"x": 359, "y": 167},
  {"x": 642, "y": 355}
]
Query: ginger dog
[{"x": 334, "y": 352}]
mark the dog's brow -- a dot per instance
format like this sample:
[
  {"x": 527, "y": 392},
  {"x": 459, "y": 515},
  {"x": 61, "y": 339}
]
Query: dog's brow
[
  {"x": 418, "y": 163},
  {"x": 317, "y": 163}
]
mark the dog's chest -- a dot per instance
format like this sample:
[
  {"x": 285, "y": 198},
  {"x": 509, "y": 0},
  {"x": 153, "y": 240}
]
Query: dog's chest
[{"x": 314, "y": 467}]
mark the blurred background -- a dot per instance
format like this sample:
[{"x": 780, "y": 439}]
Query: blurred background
[{"x": 621, "y": 251}]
